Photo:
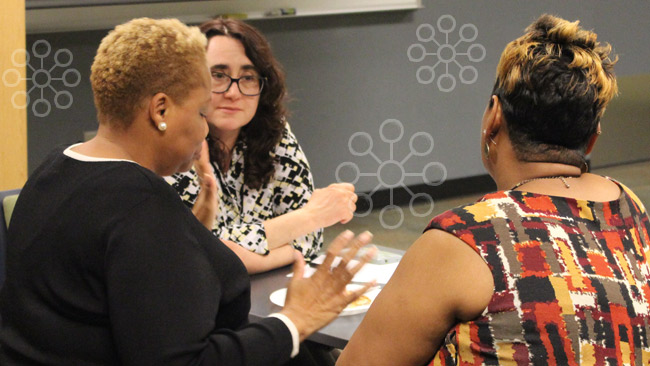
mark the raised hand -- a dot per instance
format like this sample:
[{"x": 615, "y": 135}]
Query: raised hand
[
  {"x": 315, "y": 301},
  {"x": 206, "y": 205}
]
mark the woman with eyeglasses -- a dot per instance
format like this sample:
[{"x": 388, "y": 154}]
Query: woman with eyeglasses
[
  {"x": 267, "y": 206},
  {"x": 106, "y": 266}
]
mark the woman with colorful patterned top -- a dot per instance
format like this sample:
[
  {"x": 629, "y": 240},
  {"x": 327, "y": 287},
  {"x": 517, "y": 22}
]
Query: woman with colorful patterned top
[
  {"x": 562, "y": 274},
  {"x": 267, "y": 202}
]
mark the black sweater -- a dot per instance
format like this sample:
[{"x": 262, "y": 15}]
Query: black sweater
[{"x": 107, "y": 266}]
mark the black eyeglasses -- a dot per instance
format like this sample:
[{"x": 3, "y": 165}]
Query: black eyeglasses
[{"x": 249, "y": 85}]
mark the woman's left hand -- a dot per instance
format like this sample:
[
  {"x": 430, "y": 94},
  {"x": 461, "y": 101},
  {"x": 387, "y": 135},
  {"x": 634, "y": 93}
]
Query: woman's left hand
[
  {"x": 206, "y": 205},
  {"x": 315, "y": 301}
]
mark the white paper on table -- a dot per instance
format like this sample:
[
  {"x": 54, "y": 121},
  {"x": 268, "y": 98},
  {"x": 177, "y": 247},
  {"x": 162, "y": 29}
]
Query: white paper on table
[{"x": 379, "y": 272}]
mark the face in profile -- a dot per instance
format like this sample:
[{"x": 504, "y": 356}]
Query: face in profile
[
  {"x": 227, "y": 60},
  {"x": 187, "y": 129}
]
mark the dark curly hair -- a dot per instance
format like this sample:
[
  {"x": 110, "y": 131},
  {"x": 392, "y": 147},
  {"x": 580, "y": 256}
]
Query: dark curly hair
[
  {"x": 554, "y": 83},
  {"x": 264, "y": 131}
]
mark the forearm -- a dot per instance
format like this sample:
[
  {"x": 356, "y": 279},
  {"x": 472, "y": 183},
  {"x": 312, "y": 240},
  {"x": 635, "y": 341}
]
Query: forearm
[
  {"x": 326, "y": 207},
  {"x": 285, "y": 228},
  {"x": 190, "y": 272},
  {"x": 262, "y": 343},
  {"x": 256, "y": 263}
]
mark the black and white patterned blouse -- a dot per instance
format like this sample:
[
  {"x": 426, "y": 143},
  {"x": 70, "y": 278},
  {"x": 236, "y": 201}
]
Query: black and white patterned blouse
[{"x": 242, "y": 211}]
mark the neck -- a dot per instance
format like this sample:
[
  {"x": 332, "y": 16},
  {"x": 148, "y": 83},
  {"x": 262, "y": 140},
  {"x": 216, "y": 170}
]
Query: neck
[
  {"x": 108, "y": 144},
  {"x": 523, "y": 171},
  {"x": 227, "y": 138},
  {"x": 507, "y": 170},
  {"x": 115, "y": 143}
]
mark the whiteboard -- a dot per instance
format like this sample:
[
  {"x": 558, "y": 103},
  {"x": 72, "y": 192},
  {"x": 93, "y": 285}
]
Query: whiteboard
[{"x": 49, "y": 16}]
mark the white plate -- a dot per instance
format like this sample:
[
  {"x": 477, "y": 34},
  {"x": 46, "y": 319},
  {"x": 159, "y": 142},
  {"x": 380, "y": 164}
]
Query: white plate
[{"x": 277, "y": 297}]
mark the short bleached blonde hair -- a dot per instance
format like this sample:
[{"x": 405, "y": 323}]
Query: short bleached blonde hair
[
  {"x": 141, "y": 58},
  {"x": 554, "y": 83}
]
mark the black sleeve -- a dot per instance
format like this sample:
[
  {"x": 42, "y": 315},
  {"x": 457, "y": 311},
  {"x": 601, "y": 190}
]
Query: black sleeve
[{"x": 171, "y": 301}]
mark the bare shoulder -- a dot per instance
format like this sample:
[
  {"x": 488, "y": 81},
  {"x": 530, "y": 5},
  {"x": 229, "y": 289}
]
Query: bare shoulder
[
  {"x": 597, "y": 188},
  {"x": 439, "y": 282},
  {"x": 458, "y": 270}
]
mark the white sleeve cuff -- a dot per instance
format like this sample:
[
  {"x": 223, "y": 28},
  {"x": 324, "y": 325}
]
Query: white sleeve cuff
[{"x": 295, "y": 336}]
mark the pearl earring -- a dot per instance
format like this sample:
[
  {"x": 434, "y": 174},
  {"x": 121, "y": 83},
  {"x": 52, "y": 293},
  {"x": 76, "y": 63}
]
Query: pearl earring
[{"x": 162, "y": 126}]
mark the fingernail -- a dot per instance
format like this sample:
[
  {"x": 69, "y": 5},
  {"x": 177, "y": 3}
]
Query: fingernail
[
  {"x": 365, "y": 236},
  {"x": 347, "y": 234}
]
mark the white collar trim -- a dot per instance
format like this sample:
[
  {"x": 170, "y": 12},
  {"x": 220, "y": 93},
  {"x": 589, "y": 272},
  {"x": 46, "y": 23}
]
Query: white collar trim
[{"x": 81, "y": 157}]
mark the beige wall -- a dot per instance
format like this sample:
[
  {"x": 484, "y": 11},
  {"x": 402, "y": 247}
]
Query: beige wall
[{"x": 13, "y": 114}]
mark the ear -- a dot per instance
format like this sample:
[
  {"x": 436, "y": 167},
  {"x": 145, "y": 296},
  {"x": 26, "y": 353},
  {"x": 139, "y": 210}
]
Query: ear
[
  {"x": 592, "y": 140},
  {"x": 158, "y": 105},
  {"x": 494, "y": 117}
]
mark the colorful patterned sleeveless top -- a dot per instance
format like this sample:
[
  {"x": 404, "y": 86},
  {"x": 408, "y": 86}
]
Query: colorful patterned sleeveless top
[{"x": 571, "y": 278}]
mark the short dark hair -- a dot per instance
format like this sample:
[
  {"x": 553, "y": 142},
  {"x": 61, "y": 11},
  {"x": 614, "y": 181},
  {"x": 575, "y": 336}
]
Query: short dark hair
[
  {"x": 264, "y": 131},
  {"x": 554, "y": 83}
]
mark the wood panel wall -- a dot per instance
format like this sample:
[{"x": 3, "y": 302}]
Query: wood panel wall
[{"x": 13, "y": 112}]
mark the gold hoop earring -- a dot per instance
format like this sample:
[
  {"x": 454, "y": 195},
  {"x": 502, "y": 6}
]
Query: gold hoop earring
[{"x": 487, "y": 146}]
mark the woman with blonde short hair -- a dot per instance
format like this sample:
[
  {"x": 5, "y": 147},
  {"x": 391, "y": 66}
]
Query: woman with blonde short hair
[{"x": 106, "y": 265}]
